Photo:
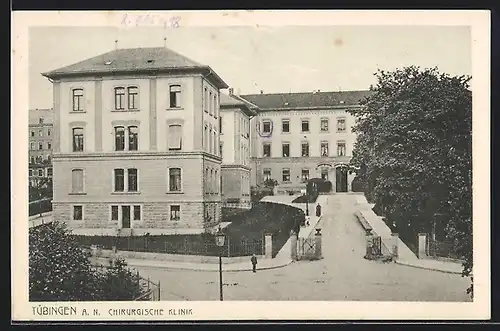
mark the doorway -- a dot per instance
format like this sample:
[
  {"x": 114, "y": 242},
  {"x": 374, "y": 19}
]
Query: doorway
[
  {"x": 341, "y": 176},
  {"x": 125, "y": 217}
]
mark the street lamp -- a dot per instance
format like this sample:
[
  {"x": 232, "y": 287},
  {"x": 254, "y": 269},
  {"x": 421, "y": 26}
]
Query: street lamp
[{"x": 219, "y": 240}]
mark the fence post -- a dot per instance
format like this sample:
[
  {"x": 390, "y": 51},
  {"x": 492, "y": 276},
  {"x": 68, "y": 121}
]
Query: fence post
[
  {"x": 422, "y": 240},
  {"x": 369, "y": 244},
  {"x": 293, "y": 242},
  {"x": 268, "y": 242},
  {"x": 317, "y": 244},
  {"x": 395, "y": 241}
]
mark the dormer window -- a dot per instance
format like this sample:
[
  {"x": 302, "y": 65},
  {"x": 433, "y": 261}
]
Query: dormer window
[
  {"x": 108, "y": 63},
  {"x": 150, "y": 61}
]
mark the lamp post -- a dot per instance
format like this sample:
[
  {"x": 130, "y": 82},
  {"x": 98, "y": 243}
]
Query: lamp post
[{"x": 219, "y": 240}]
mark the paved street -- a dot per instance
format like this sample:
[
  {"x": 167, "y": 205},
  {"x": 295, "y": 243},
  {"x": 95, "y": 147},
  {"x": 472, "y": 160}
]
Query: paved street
[{"x": 343, "y": 274}]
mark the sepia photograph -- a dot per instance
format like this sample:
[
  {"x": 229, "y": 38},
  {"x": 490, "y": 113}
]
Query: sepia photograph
[{"x": 175, "y": 159}]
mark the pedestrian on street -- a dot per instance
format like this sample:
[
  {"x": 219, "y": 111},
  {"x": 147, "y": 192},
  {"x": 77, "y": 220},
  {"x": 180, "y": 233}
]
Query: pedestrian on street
[{"x": 254, "y": 263}]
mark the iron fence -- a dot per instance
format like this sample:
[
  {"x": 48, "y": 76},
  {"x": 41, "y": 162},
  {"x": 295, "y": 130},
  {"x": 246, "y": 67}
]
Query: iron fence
[
  {"x": 443, "y": 249},
  {"x": 173, "y": 245}
]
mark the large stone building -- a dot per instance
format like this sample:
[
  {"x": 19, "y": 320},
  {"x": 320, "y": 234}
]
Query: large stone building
[
  {"x": 40, "y": 145},
  {"x": 235, "y": 115},
  {"x": 297, "y": 136},
  {"x": 136, "y": 143}
]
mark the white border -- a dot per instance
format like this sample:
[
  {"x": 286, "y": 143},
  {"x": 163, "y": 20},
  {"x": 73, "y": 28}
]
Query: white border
[{"x": 242, "y": 310}]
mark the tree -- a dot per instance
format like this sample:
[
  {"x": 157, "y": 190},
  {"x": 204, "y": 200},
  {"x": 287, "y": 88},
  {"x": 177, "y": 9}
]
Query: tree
[
  {"x": 413, "y": 154},
  {"x": 41, "y": 189},
  {"x": 270, "y": 183},
  {"x": 60, "y": 270}
]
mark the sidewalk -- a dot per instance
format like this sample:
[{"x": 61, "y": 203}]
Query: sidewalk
[
  {"x": 263, "y": 264},
  {"x": 434, "y": 265}
]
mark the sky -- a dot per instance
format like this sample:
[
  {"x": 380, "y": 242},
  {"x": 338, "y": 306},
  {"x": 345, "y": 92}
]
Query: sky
[{"x": 271, "y": 59}]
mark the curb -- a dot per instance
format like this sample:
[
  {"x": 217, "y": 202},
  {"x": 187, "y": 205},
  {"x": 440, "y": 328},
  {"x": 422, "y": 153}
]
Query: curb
[
  {"x": 427, "y": 268},
  {"x": 207, "y": 270}
]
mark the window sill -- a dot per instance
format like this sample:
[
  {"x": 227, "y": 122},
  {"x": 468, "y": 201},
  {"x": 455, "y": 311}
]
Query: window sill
[
  {"x": 305, "y": 132},
  {"x": 287, "y": 132},
  {"x": 174, "y": 108},
  {"x": 174, "y": 192},
  {"x": 77, "y": 193},
  {"x": 125, "y": 110},
  {"x": 341, "y": 131},
  {"x": 125, "y": 193},
  {"x": 324, "y": 131},
  {"x": 78, "y": 112}
]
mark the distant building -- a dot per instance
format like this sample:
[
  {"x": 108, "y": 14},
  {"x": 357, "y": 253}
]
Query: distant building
[
  {"x": 298, "y": 136},
  {"x": 136, "y": 144},
  {"x": 40, "y": 145},
  {"x": 235, "y": 115}
]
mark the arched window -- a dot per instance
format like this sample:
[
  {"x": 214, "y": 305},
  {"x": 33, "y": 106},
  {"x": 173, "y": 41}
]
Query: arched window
[
  {"x": 119, "y": 138},
  {"x": 133, "y": 138}
]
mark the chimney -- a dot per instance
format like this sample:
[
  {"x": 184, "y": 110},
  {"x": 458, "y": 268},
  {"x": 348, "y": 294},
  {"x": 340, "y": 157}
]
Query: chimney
[
  {"x": 116, "y": 44},
  {"x": 261, "y": 91},
  {"x": 231, "y": 91}
]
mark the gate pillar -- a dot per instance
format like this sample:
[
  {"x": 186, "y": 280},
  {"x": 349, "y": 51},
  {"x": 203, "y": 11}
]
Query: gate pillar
[{"x": 317, "y": 244}]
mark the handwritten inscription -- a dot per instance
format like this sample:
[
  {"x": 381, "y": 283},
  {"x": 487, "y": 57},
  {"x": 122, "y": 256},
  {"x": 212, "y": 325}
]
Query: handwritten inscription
[{"x": 151, "y": 19}]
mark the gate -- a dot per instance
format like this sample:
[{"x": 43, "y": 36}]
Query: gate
[
  {"x": 377, "y": 246},
  {"x": 306, "y": 248}
]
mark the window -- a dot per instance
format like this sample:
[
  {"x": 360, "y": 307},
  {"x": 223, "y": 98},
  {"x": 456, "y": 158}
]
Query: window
[
  {"x": 216, "y": 178},
  {"x": 77, "y": 213},
  {"x": 40, "y": 133},
  {"x": 174, "y": 180},
  {"x": 32, "y": 133},
  {"x": 133, "y": 97},
  {"x": 119, "y": 138},
  {"x": 220, "y": 150},
  {"x": 266, "y": 127},
  {"x": 174, "y": 137},
  {"x": 285, "y": 148},
  {"x": 304, "y": 175},
  {"x": 49, "y": 158},
  {"x": 212, "y": 188},
  {"x": 324, "y": 173},
  {"x": 40, "y": 120},
  {"x": 49, "y": 132},
  {"x": 49, "y": 172},
  {"x": 324, "y": 148},
  {"x": 40, "y": 172},
  {"x": 77, "y": 139},
  {"x": 285, "y": 175},
  {"x": 77, "y": 181},
  {"x": 220, "y": 125},
  {"x": 40, "y": 146},
  {"x": 132, "y": 180},
  {"x": 114, "y": 213},
  {"x": 175, "y": 212},
  {"x": 32, "y": 146},
  {"x": 210, "y": 104},
  {"x": 285, "y": 126},
  {"x": 341, "y": 125},
  {"x": 30, "y": 172},
  {"x": 133, "y": 138},
  {"x": 137, "y": 213},
  {"x": 216, "y": 113},
  {"x": 78, "y": 99},
  {"x": 305, "y": 126},
  {"x": 119, "y": 98},
  {"x": 205, "y": 99},
  {"x": 119, "y": 180},
  {"x": 267, "y": 174},
  {"x": 32, "y": 159},
  {"x": 49, "y": 145},
  {"x": 341, "y": 149},
  {"x": 324, "y": 125},
  {"x": 305, "y": 149},
  {"x": 266, "y": 149},
  {"x": 175, "y": 96}
]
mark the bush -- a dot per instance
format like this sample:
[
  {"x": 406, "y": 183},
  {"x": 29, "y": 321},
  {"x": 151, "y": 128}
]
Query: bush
[{"x": 60, "y": 270}]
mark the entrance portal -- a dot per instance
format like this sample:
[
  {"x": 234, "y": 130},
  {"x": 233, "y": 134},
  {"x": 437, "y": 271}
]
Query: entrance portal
[{"x": 341, "y": 176}]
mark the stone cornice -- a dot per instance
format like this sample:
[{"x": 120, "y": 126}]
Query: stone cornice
[{"x": 134, "y": 155}]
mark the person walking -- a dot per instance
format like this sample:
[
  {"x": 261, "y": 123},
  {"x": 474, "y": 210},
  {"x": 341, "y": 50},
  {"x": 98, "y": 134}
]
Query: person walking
[{"x": 254, "y": 263}]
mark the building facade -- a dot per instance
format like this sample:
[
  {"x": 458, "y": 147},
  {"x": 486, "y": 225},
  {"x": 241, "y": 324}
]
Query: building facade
[
  {"x": 235, "y": 115},
  {"x": 40, "y": 146},
  {"x": 136, "y": 144},
  {"x": 298, "y": 136}
]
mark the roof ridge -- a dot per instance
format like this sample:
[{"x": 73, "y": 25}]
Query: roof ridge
[{"x": 312, "y": 92}]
